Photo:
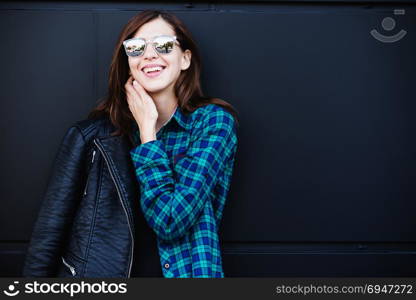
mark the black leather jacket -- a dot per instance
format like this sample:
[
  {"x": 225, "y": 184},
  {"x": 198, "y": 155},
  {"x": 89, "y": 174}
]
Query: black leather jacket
[{"x": 85, "y": 226}]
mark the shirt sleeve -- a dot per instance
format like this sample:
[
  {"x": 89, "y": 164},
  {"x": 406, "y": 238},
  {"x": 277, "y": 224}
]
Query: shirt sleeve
[{"x": 172, "y": 200}]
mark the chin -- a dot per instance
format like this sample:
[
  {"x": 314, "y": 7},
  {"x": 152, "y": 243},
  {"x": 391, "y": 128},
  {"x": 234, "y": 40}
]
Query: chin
[{"x": 154, "y": 88}]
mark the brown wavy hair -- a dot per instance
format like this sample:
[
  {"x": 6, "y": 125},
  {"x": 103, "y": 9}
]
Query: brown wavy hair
[{"x": 187, "y": 87}]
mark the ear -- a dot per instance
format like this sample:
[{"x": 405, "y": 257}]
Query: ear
[{"x": 186, "y": 59}]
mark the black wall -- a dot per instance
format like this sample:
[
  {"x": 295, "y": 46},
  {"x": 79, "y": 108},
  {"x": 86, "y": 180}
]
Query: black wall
[{"x": 324, "y": 181}]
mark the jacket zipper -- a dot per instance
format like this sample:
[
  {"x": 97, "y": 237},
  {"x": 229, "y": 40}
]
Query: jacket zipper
[
  {"x": 69, "y": 266},
  {"x": 119, "y": 195},
  {"x": 88, "y": 179}
]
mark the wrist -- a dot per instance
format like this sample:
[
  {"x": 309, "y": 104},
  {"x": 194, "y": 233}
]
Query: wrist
[
  {"x": 147, "y": 134},
  {"x": 147, "y": 137}
]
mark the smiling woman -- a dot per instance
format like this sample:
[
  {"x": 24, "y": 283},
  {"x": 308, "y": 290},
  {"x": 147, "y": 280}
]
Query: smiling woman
[
  {"x": 143, "y": 181},
  {"x": 178, "y": 83}
]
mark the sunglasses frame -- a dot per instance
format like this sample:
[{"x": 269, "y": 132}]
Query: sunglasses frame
[{"x": 151, "y": 41}]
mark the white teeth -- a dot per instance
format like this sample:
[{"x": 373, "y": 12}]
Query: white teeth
[{"x": 147, "y": 70}]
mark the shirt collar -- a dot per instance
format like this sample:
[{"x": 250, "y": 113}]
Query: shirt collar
[{"x": 181, "y": 118}]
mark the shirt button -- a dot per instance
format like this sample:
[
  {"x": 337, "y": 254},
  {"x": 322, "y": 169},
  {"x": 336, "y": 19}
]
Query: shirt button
[{"x": 167, "y": 266}]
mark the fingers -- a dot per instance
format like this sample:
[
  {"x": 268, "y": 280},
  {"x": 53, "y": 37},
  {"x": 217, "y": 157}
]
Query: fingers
[
  {"x": 129, "y": 86},
  {"x": 140, "y": 90},
  {"x": 134, "y": 89},
  {"x": 130, "y": 90},
  {"x": 132, "y": 85}
]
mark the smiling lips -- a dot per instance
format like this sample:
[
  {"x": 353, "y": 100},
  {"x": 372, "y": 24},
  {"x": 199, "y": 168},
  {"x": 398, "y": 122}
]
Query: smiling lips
[{"x": 153, "y": 70}]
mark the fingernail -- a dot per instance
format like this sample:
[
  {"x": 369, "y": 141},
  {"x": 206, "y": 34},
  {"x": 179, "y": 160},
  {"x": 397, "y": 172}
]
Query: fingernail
[{"x": 134, "y": 82}]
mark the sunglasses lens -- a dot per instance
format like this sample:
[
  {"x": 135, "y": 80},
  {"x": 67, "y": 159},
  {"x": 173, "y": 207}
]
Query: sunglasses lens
[
  {"x": 134, "y": 47},
  {"x": 164, "y": 44}
]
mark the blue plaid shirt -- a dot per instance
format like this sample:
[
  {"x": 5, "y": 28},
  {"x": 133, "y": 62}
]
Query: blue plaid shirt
[{"x": 184, "y": 178}]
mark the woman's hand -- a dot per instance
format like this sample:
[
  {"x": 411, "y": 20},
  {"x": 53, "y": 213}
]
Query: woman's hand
[{"x": 143, "y": 109}]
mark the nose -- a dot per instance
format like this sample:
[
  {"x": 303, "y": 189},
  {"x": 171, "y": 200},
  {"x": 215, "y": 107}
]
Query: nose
[{"x": 150, "y": 52}]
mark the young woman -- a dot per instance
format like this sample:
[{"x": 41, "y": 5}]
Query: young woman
[{"x": 139, "y": 187}]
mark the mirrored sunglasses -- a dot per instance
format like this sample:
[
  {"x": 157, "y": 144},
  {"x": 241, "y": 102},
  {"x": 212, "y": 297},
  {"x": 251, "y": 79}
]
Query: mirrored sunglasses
[{"x": 163, "y": 44}]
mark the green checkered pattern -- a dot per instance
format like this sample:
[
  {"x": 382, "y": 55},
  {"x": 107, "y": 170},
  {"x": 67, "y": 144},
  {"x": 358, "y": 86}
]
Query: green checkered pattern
[{"x": 184, "y": 177}]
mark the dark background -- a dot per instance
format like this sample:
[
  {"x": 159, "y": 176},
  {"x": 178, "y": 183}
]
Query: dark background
[{"x": 324, "y": 180}]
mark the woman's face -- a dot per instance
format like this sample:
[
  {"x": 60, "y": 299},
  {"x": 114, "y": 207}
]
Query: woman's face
[{"x": 174, "y": 62}]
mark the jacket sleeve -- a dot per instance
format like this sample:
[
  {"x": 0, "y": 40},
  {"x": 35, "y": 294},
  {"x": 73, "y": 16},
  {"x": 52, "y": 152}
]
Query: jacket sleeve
[
  {"x": 59, "y": 203},
  {"x": 172, "y": 198}
]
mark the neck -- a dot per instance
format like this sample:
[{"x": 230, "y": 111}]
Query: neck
[{"x": 166, "y": 103}]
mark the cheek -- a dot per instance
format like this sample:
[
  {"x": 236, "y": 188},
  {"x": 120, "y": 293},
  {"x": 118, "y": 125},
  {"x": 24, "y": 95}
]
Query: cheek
[
  {"x": 133, "y": 63},
  {"x": 173, "y": 74},
  {"x": 176, "y": 69}
]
